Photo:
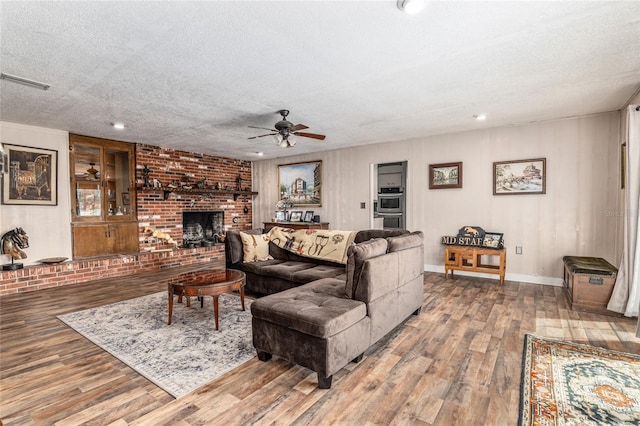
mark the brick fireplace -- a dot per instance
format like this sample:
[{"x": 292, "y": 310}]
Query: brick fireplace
[
  {"x": 171, "y": 167},
  {"x": 202, "y": 229}
]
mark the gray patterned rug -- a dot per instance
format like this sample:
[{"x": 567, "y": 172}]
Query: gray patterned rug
[{"x": 179, "y": 357}]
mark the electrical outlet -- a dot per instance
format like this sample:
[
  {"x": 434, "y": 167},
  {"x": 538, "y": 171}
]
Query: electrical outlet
[
  {"x": 363, "y": 205},
  {"x": 518, "y": 249}
]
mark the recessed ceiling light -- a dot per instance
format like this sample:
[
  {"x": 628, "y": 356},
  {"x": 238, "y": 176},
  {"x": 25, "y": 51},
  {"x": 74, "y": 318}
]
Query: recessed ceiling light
[
  {"x": 480, "y": 117},
  {"x": 260, "y": 154},
  {"x": 118, "y": 125},
  {"x": 410, "y": 6}
]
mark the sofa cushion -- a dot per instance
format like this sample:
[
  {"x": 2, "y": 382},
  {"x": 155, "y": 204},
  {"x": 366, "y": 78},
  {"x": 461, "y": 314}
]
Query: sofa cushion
[
  {"x": 255, "y": 247},
  {"x": 233, "y": 245},
  {"x": 317, "y": 273},
  {"x": 285, "y": 269},
  {"x": 404, "y": 242},
  {"x": 358, "y": 253},
  {"x": 369, "y": 234},
  {"x": 257, "y": 267},
  {"x": 317, "y": 308}
]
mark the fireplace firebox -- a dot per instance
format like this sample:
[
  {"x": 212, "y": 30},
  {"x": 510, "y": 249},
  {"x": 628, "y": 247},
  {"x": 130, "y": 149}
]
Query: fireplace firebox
[{"x": 202, "y": 228}]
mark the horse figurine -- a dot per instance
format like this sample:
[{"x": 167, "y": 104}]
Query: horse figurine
[{"x": 13, "y": 242}]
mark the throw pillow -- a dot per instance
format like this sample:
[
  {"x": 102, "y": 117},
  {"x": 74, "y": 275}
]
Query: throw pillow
[
  {"x": 358, "y": 253},
  {"x": 255, "y": 247}
]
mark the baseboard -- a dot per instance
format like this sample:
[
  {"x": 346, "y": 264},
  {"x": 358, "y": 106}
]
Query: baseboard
[{"x": 531, "y": 279}]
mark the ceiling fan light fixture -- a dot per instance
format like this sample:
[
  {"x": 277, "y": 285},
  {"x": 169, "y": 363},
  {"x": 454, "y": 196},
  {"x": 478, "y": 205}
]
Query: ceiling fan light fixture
[
  {"x": 277, "y": 139},
  {"x": 410, "y": 7},
  {"x": 292, "y": 140},
  {"x": 92, "y": 170}
]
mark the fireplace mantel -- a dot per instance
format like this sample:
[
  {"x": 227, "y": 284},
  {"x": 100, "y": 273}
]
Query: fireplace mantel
[{"x": 168, "y": 191}]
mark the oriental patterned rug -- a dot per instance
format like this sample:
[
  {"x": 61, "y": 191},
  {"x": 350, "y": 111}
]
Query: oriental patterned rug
[
  {"x": 179, "y": 357},
  {"x": 566, "y": 383}
]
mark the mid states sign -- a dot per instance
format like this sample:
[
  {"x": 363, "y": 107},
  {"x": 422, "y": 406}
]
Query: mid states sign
[{"x": 475, "y": 236}]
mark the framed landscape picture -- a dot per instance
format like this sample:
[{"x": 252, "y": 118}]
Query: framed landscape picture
[
  {"x": 32, "y": 177},
  {"x": 445, "y": 175},
  {"x": 301, "y": 183},
  {"x": 520, "y": 177}
]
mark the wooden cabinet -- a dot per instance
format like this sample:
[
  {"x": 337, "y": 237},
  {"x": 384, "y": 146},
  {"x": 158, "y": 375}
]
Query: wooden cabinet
[
  {"x": 298, "y": 225},
  {"x": 103, "y": 194},
  {"x": 101, "y": 239},
  {"x": 465, "y": 258}
]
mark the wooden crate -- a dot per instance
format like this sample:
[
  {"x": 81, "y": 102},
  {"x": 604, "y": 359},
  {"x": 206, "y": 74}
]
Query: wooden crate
[{"x": 588, "y": 283}]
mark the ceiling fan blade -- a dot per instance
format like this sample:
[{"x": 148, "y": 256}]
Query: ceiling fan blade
[
  {"x": 310, "y": 135},
  {"x": 263, "y": 128},
  {"x": 262, "y": 136},
  {"x": 297, "y": 127}
]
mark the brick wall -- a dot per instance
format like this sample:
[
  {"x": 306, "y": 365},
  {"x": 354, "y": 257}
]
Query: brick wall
[
  {"x": 38, "y": 277},
  {"x": 166, "y": 166},
  {"x": 179, "y": 167}
]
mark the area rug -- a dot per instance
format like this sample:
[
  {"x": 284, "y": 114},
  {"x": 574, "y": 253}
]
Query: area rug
[
  {"x": 566, "y": 383},
  {"x": 179, "y": 357}
]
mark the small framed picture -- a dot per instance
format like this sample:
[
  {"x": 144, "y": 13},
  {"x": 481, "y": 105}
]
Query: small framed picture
[
  {"x": 308, "y": 216},
  {"x": 281, "y": 216},
  {"x": 492, "y": 240},
  {"x": 296, "y": 216},
  {"x": 445, "y": 175},
  {"x": 126, "y": 198}
]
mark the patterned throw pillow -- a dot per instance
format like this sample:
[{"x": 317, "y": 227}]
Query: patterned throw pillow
[{"x": 255, "y": 247}]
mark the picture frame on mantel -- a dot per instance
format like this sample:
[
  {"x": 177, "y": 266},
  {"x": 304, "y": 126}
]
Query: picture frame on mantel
[
  {"x": 32, "y": 177},
  {"x": 445, "y": 175},
  {"x": 518, "y": 177},
  {"x": 301, "y": 183}
]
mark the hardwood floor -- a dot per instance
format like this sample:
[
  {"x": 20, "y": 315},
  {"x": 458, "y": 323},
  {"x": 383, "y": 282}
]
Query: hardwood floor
[{"x": 458, "y": 362}]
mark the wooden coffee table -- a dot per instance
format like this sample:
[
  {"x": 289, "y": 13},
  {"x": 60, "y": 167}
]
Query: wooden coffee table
[{"x": 202, "y": 283}]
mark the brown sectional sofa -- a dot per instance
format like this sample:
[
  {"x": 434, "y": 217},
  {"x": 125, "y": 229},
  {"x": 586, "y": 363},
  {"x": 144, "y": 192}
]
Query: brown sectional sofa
[
  {"x": 323, "y": 323},
  {"x": 288, "y": 270}
]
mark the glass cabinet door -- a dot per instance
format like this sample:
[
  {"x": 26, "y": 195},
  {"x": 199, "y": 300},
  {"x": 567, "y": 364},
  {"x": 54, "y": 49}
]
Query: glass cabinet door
[
  {"x": 87, "y": 178},
  {"x": 117, "y": 180},
  {"x": 102, "y": 180}
]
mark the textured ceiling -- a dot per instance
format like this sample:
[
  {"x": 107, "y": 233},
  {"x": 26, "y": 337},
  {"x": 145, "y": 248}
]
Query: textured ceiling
[{"x": 194, "y": 75}]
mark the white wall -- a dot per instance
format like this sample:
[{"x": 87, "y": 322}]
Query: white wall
[
  {"x": 575, "y": 217},
  {"x": 48, "y": 227}
]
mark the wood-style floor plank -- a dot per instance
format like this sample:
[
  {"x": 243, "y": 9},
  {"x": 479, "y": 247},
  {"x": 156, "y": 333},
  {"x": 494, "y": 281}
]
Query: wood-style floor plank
[{"x": 458, "y": 362}]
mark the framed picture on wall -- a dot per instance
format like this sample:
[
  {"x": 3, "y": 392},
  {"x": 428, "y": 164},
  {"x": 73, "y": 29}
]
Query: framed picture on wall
[
  {"x": 301, "y": 183},
  {"x": 445, "y": 175},
  {"x": 32, "y": 178},
  {"x": 520, "y": 177}
]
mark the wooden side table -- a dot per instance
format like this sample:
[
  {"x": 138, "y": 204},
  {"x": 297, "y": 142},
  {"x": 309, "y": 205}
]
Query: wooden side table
[{"x": 465, "y": 258}]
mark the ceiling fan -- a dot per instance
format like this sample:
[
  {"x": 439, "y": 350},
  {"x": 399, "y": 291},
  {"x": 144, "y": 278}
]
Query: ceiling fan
[{"x": 285, "y": 132}]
